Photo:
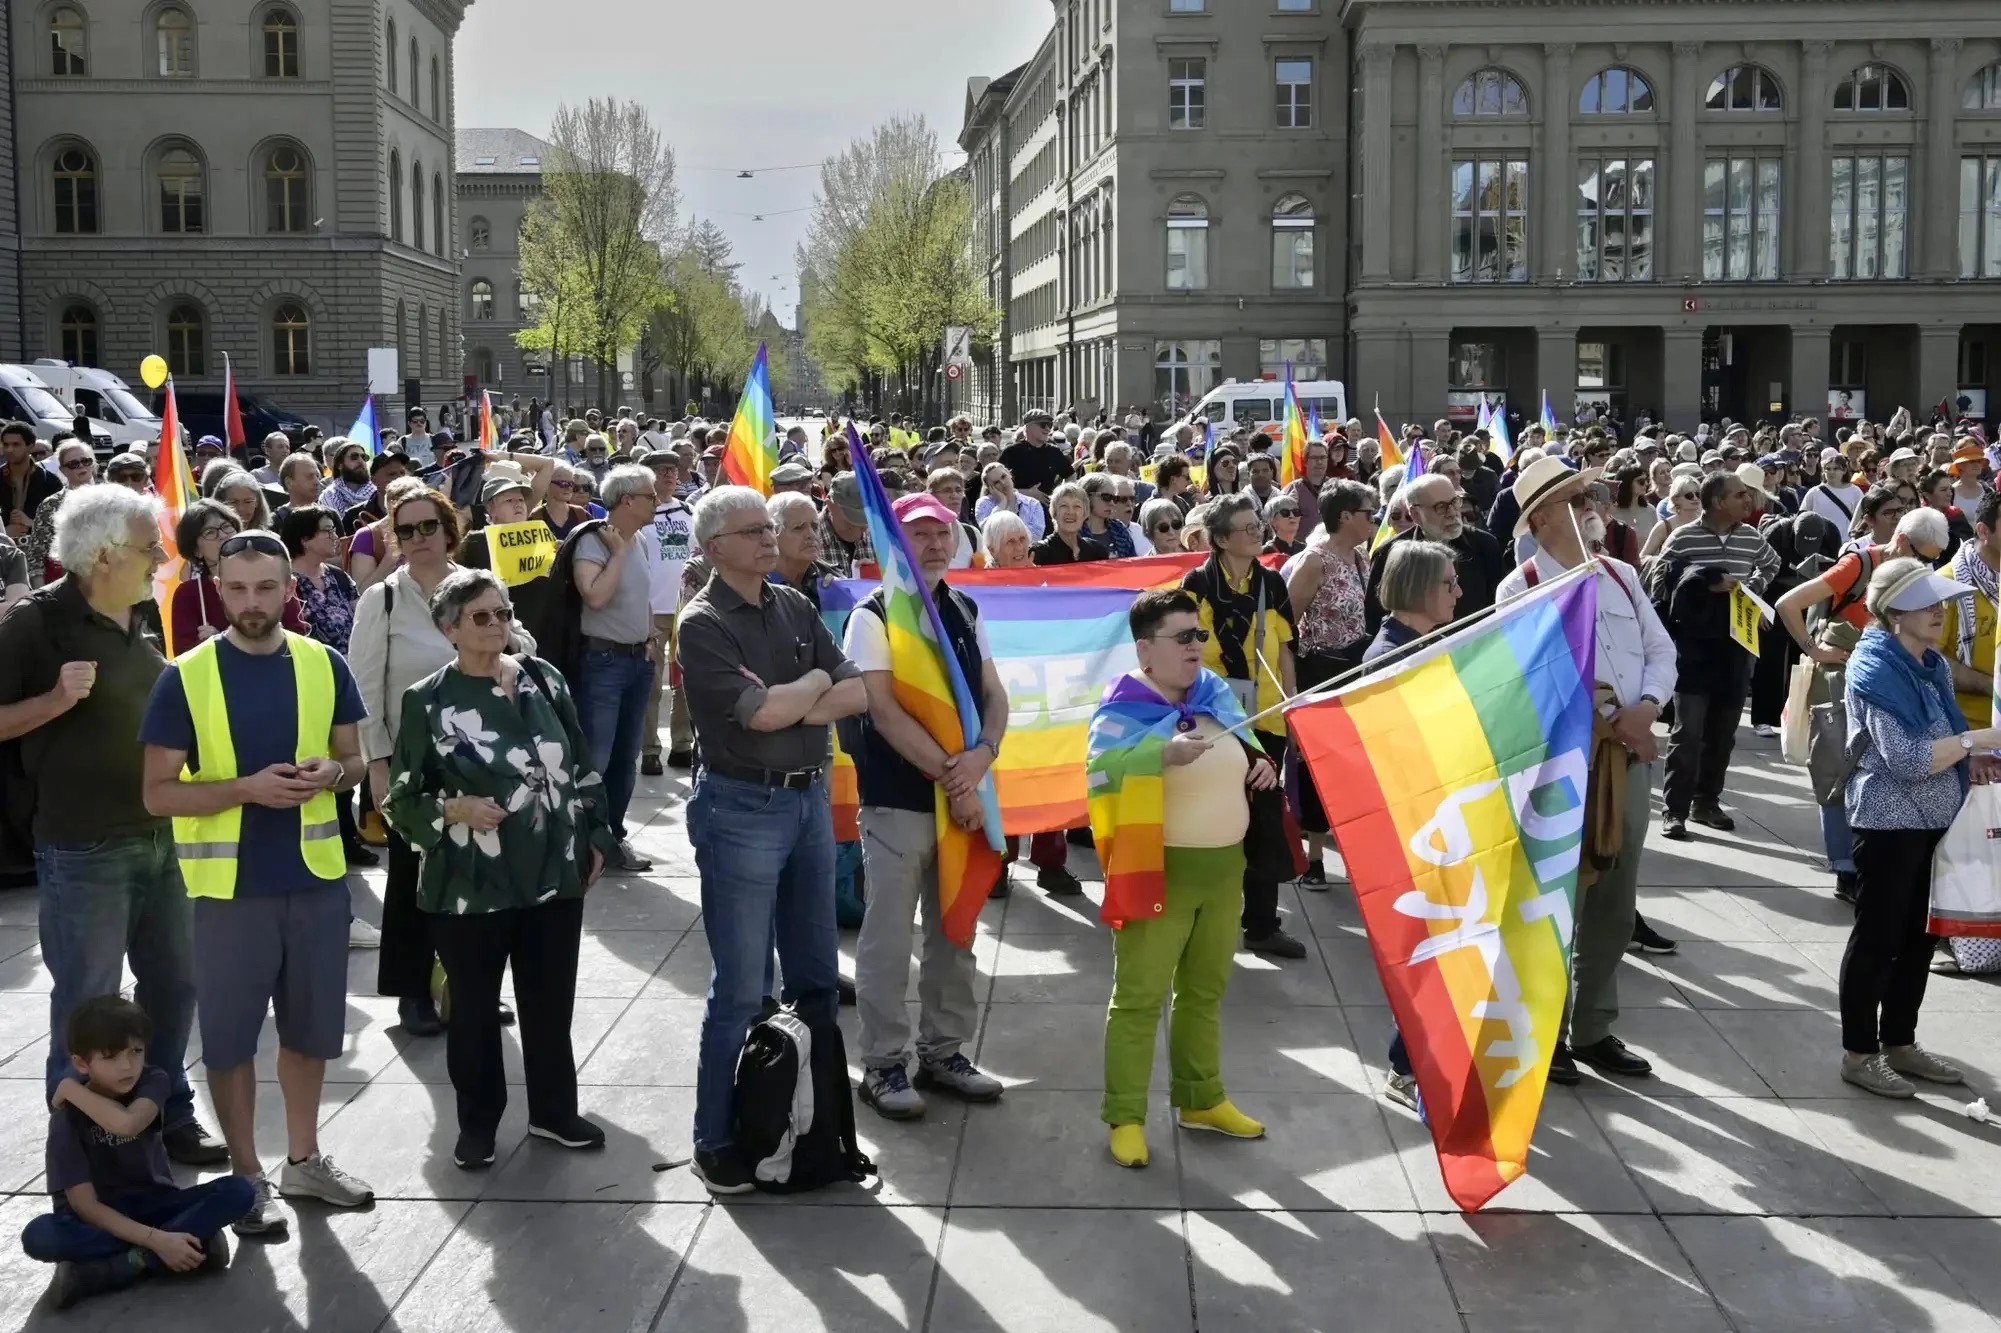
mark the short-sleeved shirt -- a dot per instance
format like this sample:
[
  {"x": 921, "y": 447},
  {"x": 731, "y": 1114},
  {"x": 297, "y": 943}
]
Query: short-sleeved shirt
[
  {"x": 779, "y": 639},
  {"x": 628, "y": 616},
  {"x": 673, "y": 538},
  {"x": 83, "y": 1152},
  {"x": 1843, "y": 576},
  {"x": 263, "y": 702}
]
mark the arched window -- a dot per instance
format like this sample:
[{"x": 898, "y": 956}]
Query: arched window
[
  {"x": 437, "y": 214},
  {"x": 395, "y": 195},
  {"x": 416, "y": 203},
  {"x": 174, "y": 32},
  {"x": 482, "y": 299},
  {"x": 423, "y": 363},
  {"x": 390, "y": 47},
  {"x": 437, "y": 95},
  {"x": 281, "y": 45},
  {"x": 402, "y": 319},
  {"x": 414, "y": 67},
  {"x": 187, "y": 341},
  {"x": 287, "y": 205},
  {"x": 1490, "y": 92},
  {"x": 1617, "y": 91},
  {"x": 1744, "y": 88},
  {"x": 439, "y": 367},
  {"x": 1292, "y": 243},
  {"x": 66, "y": 44},
  {"x": 1187, "y": 244},
  {"x": 181, "y": 193},
  {"x": 1872, "y": 88},
  {"x": 289, "y": 330},
  {"x": 480, "y": 232},
  {"x": 78, "y": 335},
  {"x": 76, "y": 191},
  {"x": 1983, "y": 91}
]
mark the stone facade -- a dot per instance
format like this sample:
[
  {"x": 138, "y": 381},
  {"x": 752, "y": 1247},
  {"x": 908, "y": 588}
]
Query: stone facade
[
  {"x": 1729, "y": 208},
  {"x": 499, "y": 176},
  {"x": 270, "y": 181}
]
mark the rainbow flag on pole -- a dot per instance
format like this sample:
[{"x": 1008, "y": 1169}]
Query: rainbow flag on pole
[
  {"x": 1292, "y": 451},
  {"x": 1463, "y": 773},
  {"x": 1548, "y": 421},
  {"x": 1411, "y": 473},
  {"x": 749, "y": 457},
  {"x": 1386, "y": 442},
  {"x": 1497, "y": 435},
  {"x": 489, "y": 436},
  {"x": 174, "y": 483}
]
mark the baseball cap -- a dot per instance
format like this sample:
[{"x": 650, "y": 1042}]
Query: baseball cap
[
  {"x": 791, "y": 474},
  {"x": 386, "y": 457},
  {"x": 209, "y": 442},
  {"x": 846, "y": 496},
  {"x": 922, "y": 504}
]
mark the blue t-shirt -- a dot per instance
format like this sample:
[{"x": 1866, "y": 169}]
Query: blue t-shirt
[{"x": 264, "y": 729}]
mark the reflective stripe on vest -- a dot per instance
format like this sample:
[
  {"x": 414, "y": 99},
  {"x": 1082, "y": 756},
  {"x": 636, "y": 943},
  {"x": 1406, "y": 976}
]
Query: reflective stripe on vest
[{"x": 209, "y": 845}]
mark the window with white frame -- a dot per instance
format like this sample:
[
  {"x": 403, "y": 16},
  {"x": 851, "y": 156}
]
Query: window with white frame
[
  {"x": 1490, "y": 210},
  {"x": 1292, "y": 244},
  {"x": 1187, "y": 244},
  {"x": 1867, "y": 201},
  {"x": 1187, "y": 93},
  {"x": 1294, "y": 79},
  {"x": 1184, "y": 371},
  {"x": 1740, "y": 219},
  {"x": 1615, "y": 220}
]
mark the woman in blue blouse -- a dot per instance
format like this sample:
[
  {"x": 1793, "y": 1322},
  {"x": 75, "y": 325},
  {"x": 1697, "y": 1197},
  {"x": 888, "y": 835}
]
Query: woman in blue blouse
[{"x": 1914, "y": 758}]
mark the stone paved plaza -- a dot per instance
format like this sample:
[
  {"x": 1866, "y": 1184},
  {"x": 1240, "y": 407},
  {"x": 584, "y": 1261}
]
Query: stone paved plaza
[{"x": 1744, "y": 1187}]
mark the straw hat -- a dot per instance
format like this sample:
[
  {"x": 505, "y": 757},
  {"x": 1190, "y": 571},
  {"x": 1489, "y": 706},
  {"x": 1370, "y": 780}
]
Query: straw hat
[{"x": 1544, "y": 480}]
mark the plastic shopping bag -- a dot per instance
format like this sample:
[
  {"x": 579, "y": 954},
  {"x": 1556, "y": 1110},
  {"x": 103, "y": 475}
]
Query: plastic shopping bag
[
  {"x": 1795, "y": 723},
  {"x": 1966, "y": 869}
]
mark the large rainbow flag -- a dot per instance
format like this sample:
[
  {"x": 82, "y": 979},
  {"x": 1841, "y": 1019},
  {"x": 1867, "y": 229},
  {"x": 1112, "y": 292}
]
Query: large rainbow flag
[
  {"x": 1462, "y": 770},
  {"x": 1292, "y": 450},
  {"x": 174, "y": 483},
  {"x": 750, "y": 455}
]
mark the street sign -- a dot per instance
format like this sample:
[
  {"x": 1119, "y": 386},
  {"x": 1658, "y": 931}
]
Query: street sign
[
  {"x": 953, "y": 372},
  {"x": 382, "y": 374},
  {"x": 958, "y": 347}
]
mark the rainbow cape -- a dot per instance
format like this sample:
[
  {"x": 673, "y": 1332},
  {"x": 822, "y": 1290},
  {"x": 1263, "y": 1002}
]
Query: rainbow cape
[
  {"x": 1462, "y": 770},
  {"x": 1292, "y": 450},
  {"x": 1127, "y": 795},
  {"x": 748, "y": 458}
]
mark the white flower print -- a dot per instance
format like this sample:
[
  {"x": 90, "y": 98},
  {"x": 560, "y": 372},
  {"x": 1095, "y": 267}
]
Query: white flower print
[
  {"x": 487, "y": 840},
  {"x": 464, "y": 726}
]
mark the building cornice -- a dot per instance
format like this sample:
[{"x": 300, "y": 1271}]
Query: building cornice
[{"x": 181, "y": 87}]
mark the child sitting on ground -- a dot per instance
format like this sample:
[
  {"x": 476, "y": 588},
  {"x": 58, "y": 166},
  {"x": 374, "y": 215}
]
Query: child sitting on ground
[{"x": 118, "y": 1213}]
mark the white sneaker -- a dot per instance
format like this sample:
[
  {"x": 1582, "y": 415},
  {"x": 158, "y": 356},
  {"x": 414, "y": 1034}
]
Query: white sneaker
[
  {"x": 1765, "y": 729},
  {"x": 265, "y": 1216},
  {"x": 361, "y": 935},
  {"x": 318, "y": 1178}
]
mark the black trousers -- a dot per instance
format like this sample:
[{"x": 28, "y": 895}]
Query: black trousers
[
  {"x": 1699, "y": 747},
  {"x": 541, "y": 942},
  {"x": 1265, "y": 851},
  {"x": 1771, "y": 675},
  {"x": 1888, "y": 960},
  {"x": 404, "y": 969}
]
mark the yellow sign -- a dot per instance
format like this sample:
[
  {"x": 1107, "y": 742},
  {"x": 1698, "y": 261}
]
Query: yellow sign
[
  {"x": 521, "y": 552},
  {"x": 1747, "y": 613},
  {"x": 1197, "y": 474}
]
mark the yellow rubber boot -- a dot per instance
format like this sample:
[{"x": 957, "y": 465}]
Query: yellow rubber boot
[
  {"x": 1223, "y": 1118},
  {"x": 1129, "y": 1145}
]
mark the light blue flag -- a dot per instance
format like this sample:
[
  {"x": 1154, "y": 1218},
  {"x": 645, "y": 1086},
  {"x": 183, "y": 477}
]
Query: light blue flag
[{"x": 363, "y": 430}]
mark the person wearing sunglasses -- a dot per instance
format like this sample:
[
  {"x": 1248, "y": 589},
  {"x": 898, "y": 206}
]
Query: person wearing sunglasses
[
  {"x": 1109, "y": 520},
  {"x": 1162, "y": 520},
  {"x": 195, "y": 612},
  {"x": 1281, "y": 515},
  {"x": 507, "y": 849},
  {"x": 77, "y": 463},
  {"x": 1165, "y": 768}
]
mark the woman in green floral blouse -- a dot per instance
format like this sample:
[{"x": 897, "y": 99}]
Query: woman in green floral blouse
[{"x": 491, "y": 783}]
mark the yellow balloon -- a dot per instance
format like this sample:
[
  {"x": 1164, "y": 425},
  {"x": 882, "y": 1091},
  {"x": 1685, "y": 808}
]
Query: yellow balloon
[{"x": 153, "y": 371}]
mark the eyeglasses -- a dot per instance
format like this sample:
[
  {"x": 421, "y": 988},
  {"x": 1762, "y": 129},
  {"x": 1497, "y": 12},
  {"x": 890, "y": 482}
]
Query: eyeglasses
[
  {"x": 261, "y": 542},
  {"x": 217, "y": 533},
  {"x": 1444, "y": 508},
  {"x": 327, "y": 530},
  {"x": 429, "y": 527},
  {"x": 1184, "y": 637},
  {"x": 766, "y": 529},
  {"x": 154, "y": 547},
  {"x": 483, "y": 619}
]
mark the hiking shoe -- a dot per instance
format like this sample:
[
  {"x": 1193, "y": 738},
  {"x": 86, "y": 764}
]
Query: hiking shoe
[
  {"x": 576, "y": 1132},
  {"x": 630, "y": 860},
  {"x": 1058, "y": 882},
  {"x": 1674, "y": 828},
  {"x": 264, "y": 1216},
  {"x": 191, "y": 1145},
  {"x": 1129, "y": 1145},
  {"x": 958, "y": 1076},
  {"x": 77, "y": 1280},
  {"x": 318, "y": 1178},
  {"x": 1915, "y": 1061},
  {"x": 650, "y": 766},
  {"x": 1648, "y": 940},
  {"x": 214, "y": 1253},
  {"x": 473, "y": 1152},
  {"x": 1315, "y": 878},
  {"x": 1713, "y": 816},
  {"x": 723, "y": 1171},
  {"x": 888, "y": 1090},
  {"x": 1872, "y": 1073},
  {"x": 1278, "y": 944},
  {"x": 1612, "y": 1056},
  {"x": 1224, "y": 1119},
  {"x": 1401, "y": 1089},
  {"x": 1563, "y": 1069}
]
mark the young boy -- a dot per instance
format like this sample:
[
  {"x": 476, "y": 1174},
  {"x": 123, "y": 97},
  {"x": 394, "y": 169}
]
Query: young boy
[{"x": 118, "y": 1214}]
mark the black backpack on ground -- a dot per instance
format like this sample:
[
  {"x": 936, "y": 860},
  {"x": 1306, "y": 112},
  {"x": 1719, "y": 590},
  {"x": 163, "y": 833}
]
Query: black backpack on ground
[
  {"x": 795, "y": 1112},
  {"x": 559, "y": 615}
]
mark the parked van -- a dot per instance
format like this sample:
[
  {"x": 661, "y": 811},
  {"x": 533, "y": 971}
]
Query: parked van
[
  {"x": 104, "y": 396},
  {"x": 1259, "y": 404},
  {"x": 24, "y": 397}
]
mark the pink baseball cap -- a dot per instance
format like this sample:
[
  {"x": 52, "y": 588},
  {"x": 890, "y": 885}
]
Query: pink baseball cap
[{"x": 923, "y": 504}]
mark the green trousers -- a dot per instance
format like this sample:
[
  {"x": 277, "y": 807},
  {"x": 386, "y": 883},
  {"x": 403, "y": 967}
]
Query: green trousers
[
  {"x": 1605, "y": 923},
  {"x": 1188, "y": 948}
]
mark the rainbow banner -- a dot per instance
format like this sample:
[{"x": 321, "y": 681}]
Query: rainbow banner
[
  {"x": 1462, "y": 770},
  {"x": 1292, "y": 451},
  {"x": 749, "y": 457}
]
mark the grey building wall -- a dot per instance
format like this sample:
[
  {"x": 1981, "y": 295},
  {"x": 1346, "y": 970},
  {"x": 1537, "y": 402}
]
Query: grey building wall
[
  {"x": 12, "y": 338},
  {"x": 499, "y": 178}
]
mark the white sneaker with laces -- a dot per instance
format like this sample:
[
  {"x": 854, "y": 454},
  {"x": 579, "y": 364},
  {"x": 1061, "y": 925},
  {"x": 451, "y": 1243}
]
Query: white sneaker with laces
[
  {"x": 1873, "y": 1074},
  {"x": 1915, "y": 1061},
  {"x": 318, "y": 1178},
  {"x": 264, "y": 1216},
  {"x": 361, "y": 935}
]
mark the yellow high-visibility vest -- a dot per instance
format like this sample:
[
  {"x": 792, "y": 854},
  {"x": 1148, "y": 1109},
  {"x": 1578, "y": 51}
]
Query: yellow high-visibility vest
[{"x": 208, "y": 845}]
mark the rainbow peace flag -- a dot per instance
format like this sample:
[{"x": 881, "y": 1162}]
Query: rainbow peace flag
[
  {"x": 489, "y": 437},
  {"x": 1548, "y": 421},
  {"x": 174, "y": 483},
  {"x": 1462, "y": 770},
  {"x": 1292, "y": 450},
  {"x": 1411, "y": 473},
  {"x": 1497, "y": 433},
  {"x": 749, "y": 456},
  {"x": 1386, "y": 442}
]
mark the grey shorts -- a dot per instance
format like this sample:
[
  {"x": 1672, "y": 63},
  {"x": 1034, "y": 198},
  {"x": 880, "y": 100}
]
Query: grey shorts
[{"x": 284, "y": 951}]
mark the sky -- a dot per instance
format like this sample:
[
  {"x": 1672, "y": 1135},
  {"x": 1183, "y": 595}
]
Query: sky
[{"x": 749, "y": 84}]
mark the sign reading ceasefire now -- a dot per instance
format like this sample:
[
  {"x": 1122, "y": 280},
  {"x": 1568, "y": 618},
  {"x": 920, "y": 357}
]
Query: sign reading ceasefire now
[{"x": 522, "y": 552}]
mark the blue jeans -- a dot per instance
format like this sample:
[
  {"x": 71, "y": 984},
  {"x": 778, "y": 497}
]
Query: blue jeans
[
  {"x": 1834, "y": 834},
  {"x": 611, "y": 704},
  {"x": 105, "y": 901},
  {"x": 766, "y": 856},
  {"x": 200, "y": 1211}
]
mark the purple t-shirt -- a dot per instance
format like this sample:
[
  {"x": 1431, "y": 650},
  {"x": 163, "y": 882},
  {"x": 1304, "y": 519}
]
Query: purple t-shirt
[{"x": 83, "y": 1152}]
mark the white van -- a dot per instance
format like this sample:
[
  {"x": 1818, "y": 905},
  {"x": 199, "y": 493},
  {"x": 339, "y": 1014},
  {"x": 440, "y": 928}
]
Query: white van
[
  {"x": 104, "y": 396},
  {"x": 1261, "y": 403},
  {"x": 25, "y": 397}
]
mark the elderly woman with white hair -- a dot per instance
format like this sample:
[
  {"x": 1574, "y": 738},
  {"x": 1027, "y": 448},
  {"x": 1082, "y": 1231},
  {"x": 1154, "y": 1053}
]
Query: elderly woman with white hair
[
  {"x": 1162, "y": 521},
  {"x": 1007, "y": 542},
  {"x": 1068, "y": 543}
]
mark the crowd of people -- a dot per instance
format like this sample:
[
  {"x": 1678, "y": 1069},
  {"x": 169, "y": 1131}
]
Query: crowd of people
[{"x": 360, "y": 660}]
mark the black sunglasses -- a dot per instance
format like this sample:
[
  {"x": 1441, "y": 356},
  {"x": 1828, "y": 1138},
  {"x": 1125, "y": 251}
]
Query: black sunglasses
[
  {"x": 1285, "y": 513},
  {"x": 261, "y": 542},
  {"x": 1186, "y": 636},
  {"x": 429, "y": 527}
]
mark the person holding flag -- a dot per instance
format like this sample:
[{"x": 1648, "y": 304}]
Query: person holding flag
[{"x": 1292, "y": 450}]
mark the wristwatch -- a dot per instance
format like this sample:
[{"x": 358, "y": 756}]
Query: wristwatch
[
  {"x": 1966, "y": 741},
  {"x": 1649, "y": 699}
]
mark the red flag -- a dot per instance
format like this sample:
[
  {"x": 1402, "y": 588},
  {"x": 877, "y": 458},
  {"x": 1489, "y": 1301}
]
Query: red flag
[{"x": 232, "y": 415}]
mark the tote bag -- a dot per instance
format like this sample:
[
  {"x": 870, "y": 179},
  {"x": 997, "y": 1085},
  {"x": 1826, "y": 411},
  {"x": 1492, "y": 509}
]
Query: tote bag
[{"x": 1966, "y": 869}]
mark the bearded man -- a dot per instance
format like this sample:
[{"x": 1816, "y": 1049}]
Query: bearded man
[{"x": 1434, "y": 502}]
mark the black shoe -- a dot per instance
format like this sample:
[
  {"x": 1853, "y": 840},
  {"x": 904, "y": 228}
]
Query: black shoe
[
  {"x": 1003, "y": 885},
  {"x": 1278, "y": 944},
  {"x": 190, "y": 1145},
  {"x": 473, "y": 1152},
  {"x": 1674, "y": 828},
  {"x": 1713, "y": 816},
  {"x": 1845, "y": 886},
  {"x": 1648, "y": 940},
  {"x": 418, "y": 1016},
  {"x": 649, "y": 766},
  {"x": 358, "y": 855},
  {"x": 1611, "y": 1056},
  {"x": 844, "y": 991},
  {"x": 504, "y": 1012},
  {"x": 78, "y": 1280},
  {"x": 1058, "y": 882},
  {"x": 214, "y": 1253},
  {"x": 1563, "y": 1069},
  {"x": 723, "y": 1171},
  {"x": 576, "y": 1132},
  {"x": 1315, "y": 878},
  {"x": 680, "y": 759}
]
